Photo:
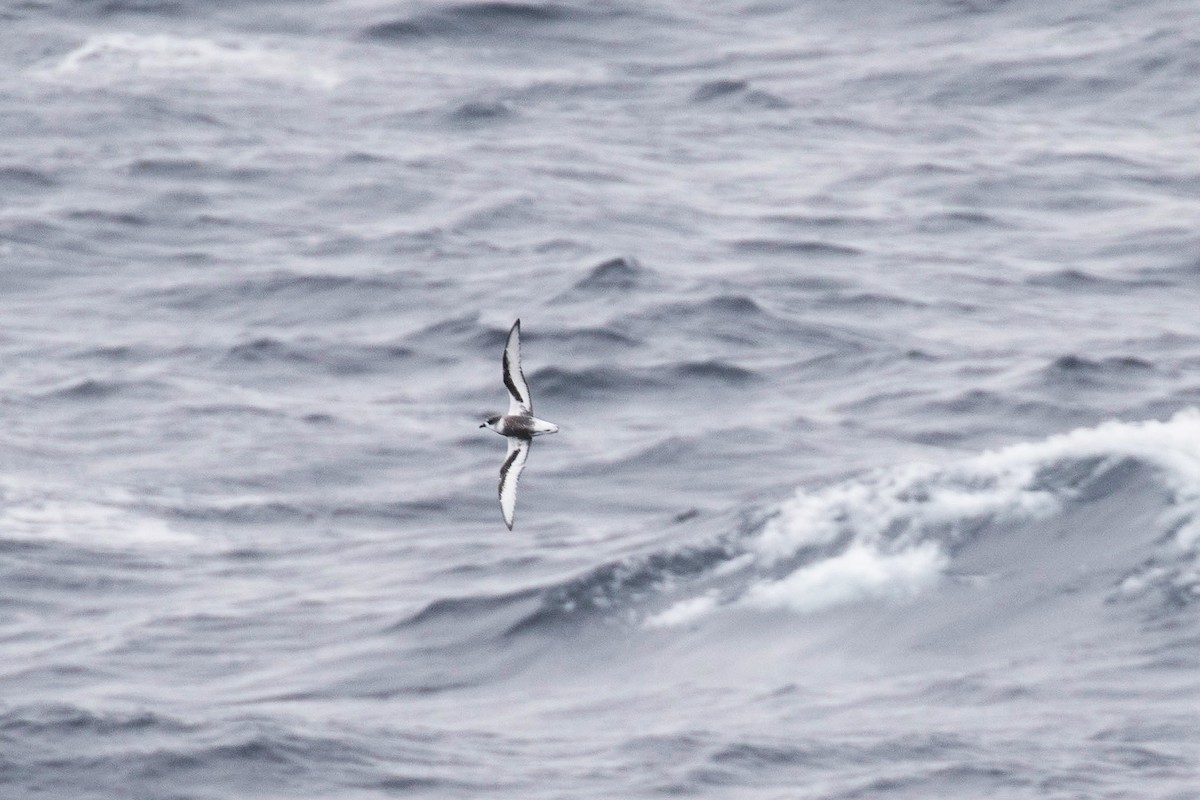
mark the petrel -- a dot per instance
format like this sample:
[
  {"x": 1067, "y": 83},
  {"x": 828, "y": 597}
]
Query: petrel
[{"x": 519, "y": 425}]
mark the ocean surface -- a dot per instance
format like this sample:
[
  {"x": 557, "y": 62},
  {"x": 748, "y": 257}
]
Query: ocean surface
[{"x": 873, "y": 331}]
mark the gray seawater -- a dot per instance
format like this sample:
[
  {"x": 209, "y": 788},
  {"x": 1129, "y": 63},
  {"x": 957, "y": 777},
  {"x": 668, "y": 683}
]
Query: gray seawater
[{"x": 872, "y": 332}]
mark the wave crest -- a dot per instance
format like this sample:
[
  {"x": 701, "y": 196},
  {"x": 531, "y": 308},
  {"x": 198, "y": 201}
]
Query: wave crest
[
  {"x": 1029, "y": 515},
  {"x": 892, "y": 533},
  {"x": 112, "y": 57}
]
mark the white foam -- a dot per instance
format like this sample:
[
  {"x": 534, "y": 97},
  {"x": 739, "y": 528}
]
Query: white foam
[
  {"x": 114, "y": 56},
  {"x": 895, "y": 522},
  {"x": 35, "y": 513},
  {"x": 683, "y": 612},
  {"x": 859, "y": 573},
  {"x": 996, "y": 485}
]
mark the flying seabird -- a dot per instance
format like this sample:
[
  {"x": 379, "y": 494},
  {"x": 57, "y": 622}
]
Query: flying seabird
[{"x": 519, "y": 425}]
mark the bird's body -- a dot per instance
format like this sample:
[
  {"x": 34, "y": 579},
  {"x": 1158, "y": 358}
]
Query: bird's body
[
  {"x": 522, "y": 426},
  {"x": 519, "y": 425}
]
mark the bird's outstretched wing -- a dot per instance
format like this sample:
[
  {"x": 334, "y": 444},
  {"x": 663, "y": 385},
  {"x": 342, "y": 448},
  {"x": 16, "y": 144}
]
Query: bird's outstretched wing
[
  {"x": 514, "y": 379},
  {"x": 510, "y": 473}
]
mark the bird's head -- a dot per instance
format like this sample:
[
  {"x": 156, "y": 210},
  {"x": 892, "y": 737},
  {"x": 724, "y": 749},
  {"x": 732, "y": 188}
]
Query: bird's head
[{"x": 490, "y": 423}]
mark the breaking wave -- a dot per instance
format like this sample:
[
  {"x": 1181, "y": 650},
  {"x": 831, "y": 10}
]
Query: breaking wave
[
  {"x": 896, "y": 533},
  {"x": 111, "y": 57}
]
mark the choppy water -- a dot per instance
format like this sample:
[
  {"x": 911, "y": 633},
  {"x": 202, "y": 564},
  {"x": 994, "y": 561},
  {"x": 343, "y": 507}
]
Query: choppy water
[{"x": 871, "y": 331}]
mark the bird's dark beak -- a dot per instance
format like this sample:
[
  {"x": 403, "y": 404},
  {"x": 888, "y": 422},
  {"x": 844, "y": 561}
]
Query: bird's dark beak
[{"x": 483, "y": 424}]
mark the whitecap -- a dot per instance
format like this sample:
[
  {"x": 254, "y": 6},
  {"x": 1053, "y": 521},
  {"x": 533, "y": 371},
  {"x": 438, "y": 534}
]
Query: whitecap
[
  {"x": 32, "y": 512},
  {"x": 683, "y": 612},
  {"x": 859, "y": 573},
  {"x": 890, "y": 534},
  {"x": 1007, "y": 484},
  {"x": 110, "y": 57}
]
